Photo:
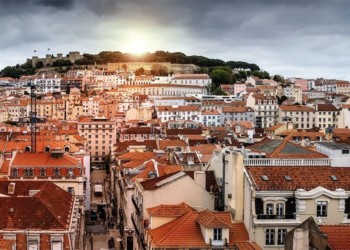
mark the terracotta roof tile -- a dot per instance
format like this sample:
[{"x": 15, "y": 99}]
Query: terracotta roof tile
[
  {"x": 50, "y": 208},
  {"x": 300, "y": 177},
  {"x": 209, "y": 220},
  {"x": 338, "y": 236},
  {"x": 183, "y": 232},
  {"x": 43, "y": 159},
  {"x": 170, "y": 210}
]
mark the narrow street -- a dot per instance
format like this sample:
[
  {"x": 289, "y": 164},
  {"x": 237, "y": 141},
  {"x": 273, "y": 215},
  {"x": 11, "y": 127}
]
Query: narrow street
[{"x": 101, "y": 231}]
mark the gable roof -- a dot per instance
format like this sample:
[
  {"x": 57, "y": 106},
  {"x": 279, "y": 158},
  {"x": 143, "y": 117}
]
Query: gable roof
[
  {"x": 285, "y": 149},
  {"x": 49, "y": 208},
  {"x": 209, "y": 220},
  {"x": 185, "y": 231},
  {"x": 170, "y": 210}
]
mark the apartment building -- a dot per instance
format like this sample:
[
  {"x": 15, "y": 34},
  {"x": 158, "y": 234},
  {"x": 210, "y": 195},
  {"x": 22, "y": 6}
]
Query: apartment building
[
  {"x": 343, "y": 87},
  {"x": 168, "y": 113},
  {"x": 237, "y": 114},
  {"x": 211, "y": 118},
  {"x": 281, "y": 198},
  {"x": 266, "y": 109},
  {"x": 293, "y": 92},
  {"x": 303, "y": 117},
  {"x": 191, "y": 79},
  {"x": 48, "y": 84},
  {"x": 64, "y": 170},
  {"x": 158, "y": 90},
  {"x": 100, "y": 133},
  {"x": 326, "y": 115}
]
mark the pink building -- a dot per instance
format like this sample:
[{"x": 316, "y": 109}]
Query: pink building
[
  {"x": 302, "y": 83},
  {"x": 239, "y": 88}
]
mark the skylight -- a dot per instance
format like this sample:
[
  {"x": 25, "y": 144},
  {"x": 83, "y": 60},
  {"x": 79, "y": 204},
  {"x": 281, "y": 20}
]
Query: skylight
[
  {"x": 264, "y": 177},
  {"x": 288, "y": 177},
  {"x": 334, "y": 178}
]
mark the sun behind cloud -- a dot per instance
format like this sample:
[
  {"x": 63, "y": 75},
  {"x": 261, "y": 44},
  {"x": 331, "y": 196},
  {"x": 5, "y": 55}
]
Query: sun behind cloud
[{"x": 137, "y": 47}]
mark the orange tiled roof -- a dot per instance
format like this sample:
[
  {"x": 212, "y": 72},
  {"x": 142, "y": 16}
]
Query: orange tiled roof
[
  {"x": 170, "y": 210},
  {"x": 338, "y": 236},
  {"x": 209, "y": 220},
  {"x": 183, "y": 232},
  {"x": 300, "y": 177},
  {"x": 296, "y": 108},
  {"x": 4, "y": 169},
  {"x": 49, "y": 209},
  {"x": 43, "y": 159}
]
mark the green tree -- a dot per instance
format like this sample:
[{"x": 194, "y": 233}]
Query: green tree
[
  {"x": 221, "y": 76},
  {"x": 261, "y": 74},
  {"x": 278, "y": 78}
]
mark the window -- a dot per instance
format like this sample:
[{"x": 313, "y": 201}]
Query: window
[
  {"x": 269, "y": 208},
  {"x": 345, "y": 151},
  {"x": 217, "y": 234},
  {"x": 42, "y": 172},
  {"x": 28, "y": 172},
  {"x": 321, "y": 209},
  {"x": 56, "y": 172},
  {"x": 14, "y": 172},
  {"x": 270, "y": 237},
  {"x": 70, "y": 172},
  {"x": 279, "y": 209},
  {"x": 281, "y": 235}
]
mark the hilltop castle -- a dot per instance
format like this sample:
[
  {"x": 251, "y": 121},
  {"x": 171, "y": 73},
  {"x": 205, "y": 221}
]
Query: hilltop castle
[{"x": 49, "y": 59}]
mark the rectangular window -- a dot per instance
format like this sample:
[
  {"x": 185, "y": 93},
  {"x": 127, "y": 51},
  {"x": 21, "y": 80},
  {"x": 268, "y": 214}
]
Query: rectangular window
[
  {"x": 217, "y": 234},
  {"x": 321, "y": 209},
  {"x": 281, "y": 235},
  {"x": 270, "y": 237},
  {"x": 269, "y": 208}
]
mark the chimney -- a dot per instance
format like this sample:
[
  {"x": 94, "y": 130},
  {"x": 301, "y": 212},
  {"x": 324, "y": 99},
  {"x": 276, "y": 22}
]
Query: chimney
[
  {"x": 11, "y": 188},
  {"x": 200, "y": 178}
]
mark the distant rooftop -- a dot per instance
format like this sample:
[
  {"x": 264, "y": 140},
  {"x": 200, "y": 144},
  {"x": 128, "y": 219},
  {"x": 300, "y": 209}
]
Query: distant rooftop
[{"x": 334, "y": 145}]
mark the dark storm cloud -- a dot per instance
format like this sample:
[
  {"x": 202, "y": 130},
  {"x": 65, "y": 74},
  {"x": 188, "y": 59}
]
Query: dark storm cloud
[
  {"x": 60, "y": 4},
  {"x": 287, "y": 37}
]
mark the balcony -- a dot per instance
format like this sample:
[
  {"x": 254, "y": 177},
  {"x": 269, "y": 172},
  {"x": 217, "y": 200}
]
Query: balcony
[
  {"x": 287, "y": 162},
  {"x": 276, "y": 217}
]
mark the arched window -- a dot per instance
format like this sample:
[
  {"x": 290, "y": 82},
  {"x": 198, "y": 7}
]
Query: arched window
[
  {"x": 47, "y": 149},
  {"x": 28, "y": 149},
  {"x": 66, "y": 149}
]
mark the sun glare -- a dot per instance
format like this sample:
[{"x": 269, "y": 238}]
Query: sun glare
[{"x": 137, "y": 47}]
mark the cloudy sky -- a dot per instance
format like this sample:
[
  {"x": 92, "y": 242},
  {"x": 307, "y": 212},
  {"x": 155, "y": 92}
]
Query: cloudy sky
[{"x": 303, "y": 38}]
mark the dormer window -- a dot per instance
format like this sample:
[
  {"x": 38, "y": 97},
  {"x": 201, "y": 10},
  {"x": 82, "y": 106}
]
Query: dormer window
[
  {"x": 66, "y": 149},
  {"x": 217, "y": 234},
  {"x": 28, "y": 172},
  {"x": 56, "y": 172},
  {"x": 42, "y": 172},
  {"x": 15, "y": 172},
  {"x": 70, "y": 172}
]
